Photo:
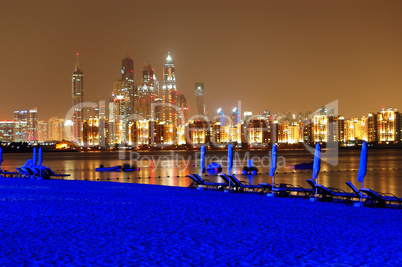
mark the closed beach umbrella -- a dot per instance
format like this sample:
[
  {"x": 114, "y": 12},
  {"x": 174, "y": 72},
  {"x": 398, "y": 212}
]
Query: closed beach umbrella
[
  {"x": 230, "y": 158},
  {"x": 272, "y": 170},
  {"x": 202, "y": 160},
  {"x": 35, "y": 157},
  {"x": 40, "y": 159},
  {"x": 363, "y": 166},
  {"x": 317, "y": 164}
]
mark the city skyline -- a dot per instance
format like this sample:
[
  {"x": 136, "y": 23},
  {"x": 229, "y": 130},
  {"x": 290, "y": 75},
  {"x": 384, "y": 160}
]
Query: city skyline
[{"x": 279, "y": 56}]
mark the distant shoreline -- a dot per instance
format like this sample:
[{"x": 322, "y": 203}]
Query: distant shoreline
[{"x": 30, "y": 150}]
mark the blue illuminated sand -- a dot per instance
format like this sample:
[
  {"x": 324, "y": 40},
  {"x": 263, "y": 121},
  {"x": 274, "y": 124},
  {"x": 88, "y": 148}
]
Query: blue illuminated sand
[{"x": 80, "y": 223}]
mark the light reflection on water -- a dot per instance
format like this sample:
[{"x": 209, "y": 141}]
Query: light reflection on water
[{"x": 82, "y": 166}]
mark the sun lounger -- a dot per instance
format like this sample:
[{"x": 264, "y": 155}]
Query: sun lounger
[
  {"x": 329, "y": 194},
  {"x": 381, "y": 200},
  {"x": 25, "y": 172},
  {"x": 8, "y": 174},
  {"x": 356, "y": 191},
  {"x": 219, "y": 185},
  {"x": 242, "y": 186},
  {"x": 297, "y": 191},
  {"x": 280, "y": 190},
  {"x": 197, "y": 181},
  {"x": 51, "y": 173},
  {"x": 194, "y": 183}
]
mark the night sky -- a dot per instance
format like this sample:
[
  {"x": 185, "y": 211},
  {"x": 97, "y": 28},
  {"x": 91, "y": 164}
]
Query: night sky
[{"x": 278, "y": 55}]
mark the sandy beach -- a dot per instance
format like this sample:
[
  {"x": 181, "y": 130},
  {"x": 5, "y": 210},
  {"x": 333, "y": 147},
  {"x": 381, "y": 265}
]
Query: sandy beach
[{"x": 82, "y": 223}]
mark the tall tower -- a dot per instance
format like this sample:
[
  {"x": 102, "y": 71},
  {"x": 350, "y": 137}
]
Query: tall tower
[
  {"x": 78, "y": 99},
  {"x": 169, "y": 92},
  {"x": 199, "y": 97},
  {"x": 169, "y": 77},
  {"x": 127, "y": 79},
  {"x": 148, "y": 76},
  {"x": 33, "y": 125},
  {"x": 147, "y": 91},
  {"x": 235, "y": 116}
]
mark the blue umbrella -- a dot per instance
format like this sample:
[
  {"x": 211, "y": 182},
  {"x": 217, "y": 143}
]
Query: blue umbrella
[
  {"x": 363, "y": 166},
  {"x": 35, "y": 157},
  {"x": 1, "y": 155},
  {"x": 202, "y": 160},
  {"x": 40, "y": 161},
  {"x": 272, "y": 170},
  {"x": 230, "y": 158},
  {"x": 317, "y": 164}
]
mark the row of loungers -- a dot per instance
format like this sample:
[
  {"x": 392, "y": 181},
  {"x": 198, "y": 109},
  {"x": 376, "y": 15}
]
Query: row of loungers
[
  {"x": 232, "y": 184},
  {"x": 37, "y": 172},
  {"x": 370, "y": 198}
]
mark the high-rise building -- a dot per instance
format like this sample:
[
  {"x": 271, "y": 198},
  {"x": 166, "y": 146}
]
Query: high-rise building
[
  {"x": 55, "y": 129},
  {"x": 147, "y": 92},
  {"x": 26, "y": 125},
  {"x": 42, "y": 131},
  {"x": 258, "y": 133},
  {"x": 127, "y": 84},
  {"x": 199, "y": 133},
  {"x": 183, "y": 112},
  {"x": 235, "y": 116},
  {"x": 372, "y": 128},
  {"x": 220, "y": 116},
  {"x": 199, "y": 96},
  {"x": 6, "y": 131},
  {"x": 388, "y": 127},
  {"x": 33, "y": 125},
  {"x": 78, "y": 99},
  {"x": 122, "y": 106},
  {"x": 169, "y": 92},
  {"x": 20, "y": 126},
  {"x": 319, "y": 130}
]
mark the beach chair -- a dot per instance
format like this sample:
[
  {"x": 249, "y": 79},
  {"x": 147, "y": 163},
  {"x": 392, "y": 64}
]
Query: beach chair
[
  {"x": 242, "y": 186},
  {"x": 296, "y": 191},
  {"x": 194, "y": 183},
  {"x": 280, "y": 190},
  {"x": 331, "y": 194},
  {"x": 51, "y": 173},
  {"x": 25, "y": 172},
  {"x": 219, "y": 186},
  {"x": 356, "y": 191},
  {"x": 197, "y": 181},
  {"x": 381, "y": 200},
  {"x": 8, "y": 174}
]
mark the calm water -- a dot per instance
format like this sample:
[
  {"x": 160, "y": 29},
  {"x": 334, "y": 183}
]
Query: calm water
[{"x": 384, "y": 167}]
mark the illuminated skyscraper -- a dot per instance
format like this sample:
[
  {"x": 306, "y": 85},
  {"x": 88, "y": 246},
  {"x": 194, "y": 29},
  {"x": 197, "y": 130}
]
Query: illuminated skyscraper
[
  {"x": 55, "y": 129},
  {"x": 20, "y": 125},
  {"x": 147, "y": 92},
  {"x": 235, "y": 116},
  {"x": 220, "y": 117},
  {"x": 33, "y": 125},
  {"x": 6, "y": 131},
  {"x": 121, "y": 105},
  {"x": 148, "y": 76},
  {"x": 388, "y": 126},
  {"x": 199, "y": 96},
  {"x": 127, "y": 84},
  {"x": 78, "y": 99},
  {"x": 169, "y": 92},
  {"x": 183, "y": 112}
]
